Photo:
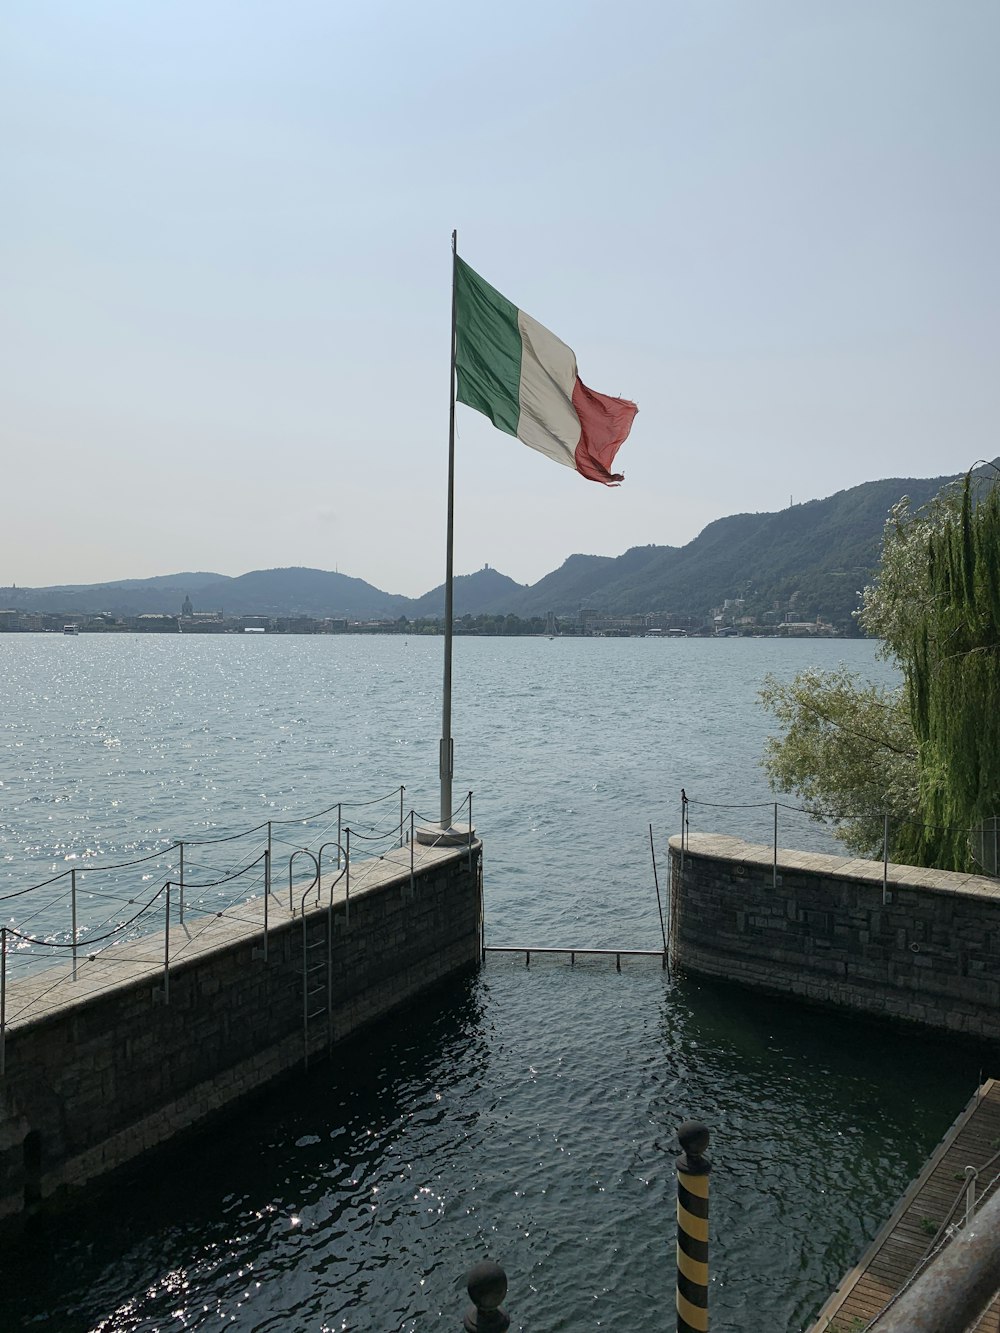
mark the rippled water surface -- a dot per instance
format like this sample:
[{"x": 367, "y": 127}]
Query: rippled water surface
[{"x": 525, "y": 1113}]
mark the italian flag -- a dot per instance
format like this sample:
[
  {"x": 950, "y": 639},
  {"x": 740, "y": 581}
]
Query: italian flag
[{"x": 524, "y": 379}]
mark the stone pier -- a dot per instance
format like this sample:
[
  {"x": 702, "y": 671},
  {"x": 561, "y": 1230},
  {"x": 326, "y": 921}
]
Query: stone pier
[{"x": 156, "y": 1035}]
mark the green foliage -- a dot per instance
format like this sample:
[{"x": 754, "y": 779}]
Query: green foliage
[
  {"x": 929, "y": 754},
  {"x": 848, "y": 748},
  {"x": 812, "y": 557},
  {"x": 901, "y": 587},
  {"x": 952, "y": 664}
]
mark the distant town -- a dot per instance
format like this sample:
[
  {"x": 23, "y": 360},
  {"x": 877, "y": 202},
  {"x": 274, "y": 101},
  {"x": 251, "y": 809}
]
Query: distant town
[{"x": 726, "y": 621}]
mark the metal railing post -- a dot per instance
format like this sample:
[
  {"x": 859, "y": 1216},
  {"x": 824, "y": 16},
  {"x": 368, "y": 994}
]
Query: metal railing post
[
  {"x": 347, "y": 879},
  {"x": 401, "y": 790},
  {"x": 72, "y": 890},
  {"x": 3, "y": 1000},
  {"x": 971, "y": 1175},
  {"x": 267, "y": 893},
  {"x": 470, "y": 832},
  {"x": 486, "y": 1283},
  {"x": 684, "y": 804},
  {"x": 774, "y": 864},
  {"x": 339, "y": 808},
  {"x": 692, "y": 1228},
  {"x": 180, "y": 908},
  {"x": 659, "y": 903},
  {"x": 166, "y": 952},
  {"x": 412, "y": 843},
  {"x": 885, "y": 858},
  {"x": 267, "y": 863}
]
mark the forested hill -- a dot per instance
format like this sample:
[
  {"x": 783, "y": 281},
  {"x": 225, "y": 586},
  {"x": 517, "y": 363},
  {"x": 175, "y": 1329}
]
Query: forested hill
[
  {"x": 818, "y": 554},
  {"x": 811, "y": 558}
]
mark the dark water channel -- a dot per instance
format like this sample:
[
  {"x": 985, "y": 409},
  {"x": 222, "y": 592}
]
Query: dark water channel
[{"x": 356, "y": 1197}]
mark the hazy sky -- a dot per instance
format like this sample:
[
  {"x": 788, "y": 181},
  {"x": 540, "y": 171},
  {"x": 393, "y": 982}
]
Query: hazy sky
[{"x": 225, "y": 241}]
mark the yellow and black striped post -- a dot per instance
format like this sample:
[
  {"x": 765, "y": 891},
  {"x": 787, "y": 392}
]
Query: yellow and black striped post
[{"x": 692, "y": 1228}]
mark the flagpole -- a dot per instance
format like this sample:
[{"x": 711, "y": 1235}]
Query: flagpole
[{"x": 446, "y": 759}]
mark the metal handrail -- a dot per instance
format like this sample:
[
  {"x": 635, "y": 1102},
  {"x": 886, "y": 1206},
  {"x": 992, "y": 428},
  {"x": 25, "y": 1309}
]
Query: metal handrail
[
  {"x": 301, "y": 851},
  {"x": 319, "y": 868},
  {"x": 956, "y": 1286}
]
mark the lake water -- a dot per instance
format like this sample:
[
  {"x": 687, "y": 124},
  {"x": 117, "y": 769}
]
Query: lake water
[{"x": 524, "y": 1113}]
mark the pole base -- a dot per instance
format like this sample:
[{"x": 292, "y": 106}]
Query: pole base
[{"x": 444, "y": 835}]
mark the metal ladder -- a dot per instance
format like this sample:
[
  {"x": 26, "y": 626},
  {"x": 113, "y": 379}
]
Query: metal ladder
[
  {"x": 317, "y": 957},
  {"x": 317, "y": 964}
]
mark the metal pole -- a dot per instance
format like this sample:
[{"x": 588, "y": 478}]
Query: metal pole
[
  {"x": 692, "y": 1228},
  {"x": 956, "y": 1286},
  {"x": 166, "y": 952},
  {"x": 180, "y": 914},
  {"x": 446, "y": 753},
  {"x": 339, "y": 808},
  {"x": 347, "y": 879},
  {"x": 885, "y": 858},
  {"x": 970, "y": 1192},
  {"x": 401, "y": 790},
  {"x": 486, "y": 1283},
  {"x": 482, "y": 914},
  {"x": 329, "y": 974},
  {"x": 3, "y": 999},
  {"x": 659, "y": 904},
  {"x": 670, "y": 915},
  {"x": 267, "y": 893},
  {"x": 774, "y": 864},
  {"x": 684, "y": 802},
  {"x": 72, "y": 886},
  {"x": 412, "y": 845},
  {"x": 470, "y": 832},
  {"x": 267, "y": 863},
  {"x": 305, "y": 991}
]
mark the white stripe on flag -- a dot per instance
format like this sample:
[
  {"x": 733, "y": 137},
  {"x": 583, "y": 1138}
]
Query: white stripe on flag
[{"x": 548, "y": 420}]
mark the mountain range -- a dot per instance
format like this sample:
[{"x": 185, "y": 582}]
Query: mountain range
[{"x": 813, "y": 557}]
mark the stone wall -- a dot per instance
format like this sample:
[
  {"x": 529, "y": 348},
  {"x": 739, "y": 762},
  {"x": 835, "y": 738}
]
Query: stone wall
[
  {"x": 929, "y": 953},
  {"x": 103, "y": 1073}
]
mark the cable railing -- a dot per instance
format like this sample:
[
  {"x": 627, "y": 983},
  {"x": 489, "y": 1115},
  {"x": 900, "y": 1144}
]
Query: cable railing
[
  {"x": 103, "y": 931},
  {"x": 92, "y": 896},
  {"x": 80, "y": 902},
  {"x": 776, "y": 818}
]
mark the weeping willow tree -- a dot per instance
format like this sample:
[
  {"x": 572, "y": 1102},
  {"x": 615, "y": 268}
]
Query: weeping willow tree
[
  {"x": 951, "y": 663},
  {"x": 928, "y": 753},
  {"x": 847, "y": 751}
]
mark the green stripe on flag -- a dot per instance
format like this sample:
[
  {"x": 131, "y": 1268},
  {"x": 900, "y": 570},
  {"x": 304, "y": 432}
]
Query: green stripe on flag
[{"x": 488, "y": 349}]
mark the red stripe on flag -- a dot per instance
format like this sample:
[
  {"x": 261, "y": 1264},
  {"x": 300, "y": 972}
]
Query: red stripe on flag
[{"x": 604, "y": 426}]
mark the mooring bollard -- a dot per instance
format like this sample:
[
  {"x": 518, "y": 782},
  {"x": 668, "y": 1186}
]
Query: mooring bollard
[
  {"x": 487, "y": 1286},
  {"x": 692, "y": 1228}
]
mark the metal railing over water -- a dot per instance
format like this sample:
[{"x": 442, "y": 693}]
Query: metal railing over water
[
  {"x": 573, "y": 954},
  {"x": 121, "y": 915},
  {"x": 983, "y": 838}
]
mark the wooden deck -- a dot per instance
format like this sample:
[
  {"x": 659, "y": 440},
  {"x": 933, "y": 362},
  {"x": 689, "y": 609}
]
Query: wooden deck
[{"x": 904, "y": 1240}]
